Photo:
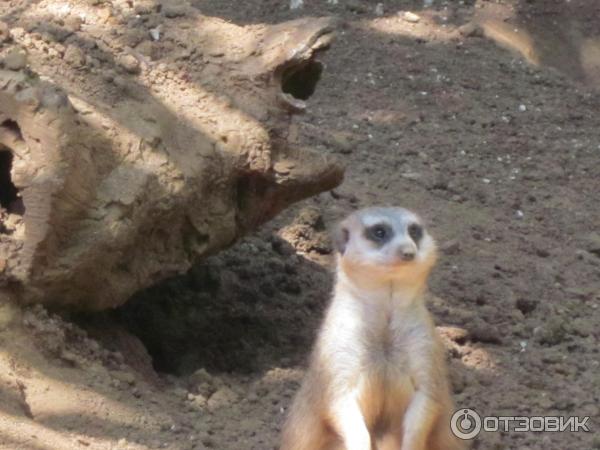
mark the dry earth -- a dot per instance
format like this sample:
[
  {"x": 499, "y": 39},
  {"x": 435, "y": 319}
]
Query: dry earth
[{"x": 501, "y": 157}]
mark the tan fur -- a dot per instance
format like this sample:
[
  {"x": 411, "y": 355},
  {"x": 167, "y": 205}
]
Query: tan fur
[{"x": 377, "y": 377}]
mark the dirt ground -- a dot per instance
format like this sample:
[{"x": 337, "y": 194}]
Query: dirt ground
[{"x": 500, "y": 156}]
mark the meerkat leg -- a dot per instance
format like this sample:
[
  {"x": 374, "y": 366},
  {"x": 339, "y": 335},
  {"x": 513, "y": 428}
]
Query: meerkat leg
[
  {"x": 442, "y": 437},
  {"x": 391, "y": 441},
  {"x": 420, "y": 417},
  {"x": 306, "y": 433},
  {"x": 349, "y": 423}
]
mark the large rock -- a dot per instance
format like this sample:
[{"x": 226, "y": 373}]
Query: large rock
[{"x": 112, "y": 179}]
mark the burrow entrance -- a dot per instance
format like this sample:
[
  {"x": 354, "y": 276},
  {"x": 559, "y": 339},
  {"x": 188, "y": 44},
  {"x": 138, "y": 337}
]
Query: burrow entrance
[
  {"x": 301, "y": 82},
  {"x": 9, "y": 194}
]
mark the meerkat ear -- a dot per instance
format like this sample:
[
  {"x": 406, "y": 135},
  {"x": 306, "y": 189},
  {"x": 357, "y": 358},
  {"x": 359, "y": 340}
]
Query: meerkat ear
[{"x": 341, "y": 235}]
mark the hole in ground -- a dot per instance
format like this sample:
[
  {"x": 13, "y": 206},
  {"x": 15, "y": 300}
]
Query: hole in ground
[
  {"x": 250, "y": 308},
  {"x": 301, "y": 82},
  {"x": 9, "y": 194}
]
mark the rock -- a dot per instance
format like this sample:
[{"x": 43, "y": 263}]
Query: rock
[
  {"x": 172, "y": 11},
  {"x": 201, "y": 376},
  {"x": 451, "y": 247},
  {"x": 130, "y": 63},
  {"x": 9, "y": 314},
  {"x": 342, "y": 142},
  {"x": 454, "y": 334},
  {"x": 74, "y": 56},
  {"x": 356, "y": 6},
  {"x": 143, "y": 7},
  {"x": 148, "y": 49},
  {"x": 552, "y": 332},
  {"x": 69, "y": 357},
  {"x": 470, "y": 30},
  {"x": 481, "y": 331},
  {"x": 4, "y": 32},
  {"x": 15, "y": 60},
  {"x": 222, "y": 397},
  {"x": 411, "y": 17},
  {"x": 593, "y": 244},
  {"x": 197, "y": 400},
  {"x": 123, "y": 376},
  {"x": 526, "y": 305}
]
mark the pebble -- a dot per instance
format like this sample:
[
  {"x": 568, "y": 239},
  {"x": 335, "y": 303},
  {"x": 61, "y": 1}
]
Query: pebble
[
  {"x": 74, "y": 56},
  {"x": 222, "y": 397},
  {"x": 15, "y": 60},
  {"x": 125, "y": 377},
  {"x": 379, "y": 9},
  {"x": 155, "y": 33},
  {"x": 4, "y": 32},
  {"x": 522, "y": 108},
  {"x": 451, "y": 247},
  {"x": 472, "y": 30},
  {"x": 411, "y": 17},
  {"x": 130, "y": 63},
  {"x": 172, "y": 11}
]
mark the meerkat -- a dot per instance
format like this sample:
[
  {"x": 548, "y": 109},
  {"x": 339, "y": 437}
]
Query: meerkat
[{"x": 377, "y": 377}]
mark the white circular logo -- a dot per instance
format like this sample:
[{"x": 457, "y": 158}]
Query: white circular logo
[{"x": 465, "y": 424}]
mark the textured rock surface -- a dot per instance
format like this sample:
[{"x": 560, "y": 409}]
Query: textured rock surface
[{"x": 133, "y": 143}]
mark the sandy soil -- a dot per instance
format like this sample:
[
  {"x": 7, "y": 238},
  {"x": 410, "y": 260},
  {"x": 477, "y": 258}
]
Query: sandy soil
[{"x": 501, "y": 157}]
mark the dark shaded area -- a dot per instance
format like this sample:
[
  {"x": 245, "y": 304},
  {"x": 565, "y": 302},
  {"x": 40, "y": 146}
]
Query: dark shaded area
[
  {"x": 8, "y": 191},
  {"x": 247, "y": 309},
  {"x": 302, "y": 82}
]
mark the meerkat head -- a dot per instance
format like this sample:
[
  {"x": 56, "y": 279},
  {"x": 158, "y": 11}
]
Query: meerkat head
[{"x": 385, "y": 244}]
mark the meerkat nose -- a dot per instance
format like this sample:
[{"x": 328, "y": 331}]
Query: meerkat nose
[{"x": 406, "y": 253}]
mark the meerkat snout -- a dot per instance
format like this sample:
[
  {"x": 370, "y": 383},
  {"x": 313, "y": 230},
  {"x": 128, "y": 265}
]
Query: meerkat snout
[
  {"x": 377, "y": 376},
  {"x": 406, "y": 253}
]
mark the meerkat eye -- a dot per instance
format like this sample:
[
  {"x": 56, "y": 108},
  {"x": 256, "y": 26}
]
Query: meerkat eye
[
  {"x": 379, "y": 233},
  {"x": 415, "y": 231}
]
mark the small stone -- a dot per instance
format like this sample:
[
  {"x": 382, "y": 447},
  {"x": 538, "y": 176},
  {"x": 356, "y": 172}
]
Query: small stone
[
  {"x": 17, "y": 33},
  {"x": 15, "y": 60},
  {"x": 484, "y": 332},
  {"x": 143, "y": 7},
  {"x": 470, "y": 30},
  {"x": 356, "y": 6},
  {"x": 411, "y": 17},
  {"x": 222, "y": 397},
  {"x": 593, "y": 244},
  {"x": 197, "y": 400},
  {"x": 155, "y": 33},
  {"x": 379, "y": 9},
  {"x": 148, "y": 49},
  {"x": 172, "y": 11},
  {"x": 342, "y": 142},
  {"x": 130, "y": 63},
  {"x": 69, "y": 357},
  {"x": 551, "y": 333},
  {"x": 526, "y": 305},
  {"x": 202, "y": 376},
  {"x": 522, "y": 108},
  {"x": 74, "y": 56},
  {"x": 451, "y": 247},
  {"x": 125, "y": 377},
  {"x": 4, "y": 32}
]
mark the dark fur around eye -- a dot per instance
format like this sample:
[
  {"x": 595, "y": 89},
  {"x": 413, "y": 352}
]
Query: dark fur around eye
[
  {"x": 380, "y": 233},
  {"x": 415, "y": 231}
]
